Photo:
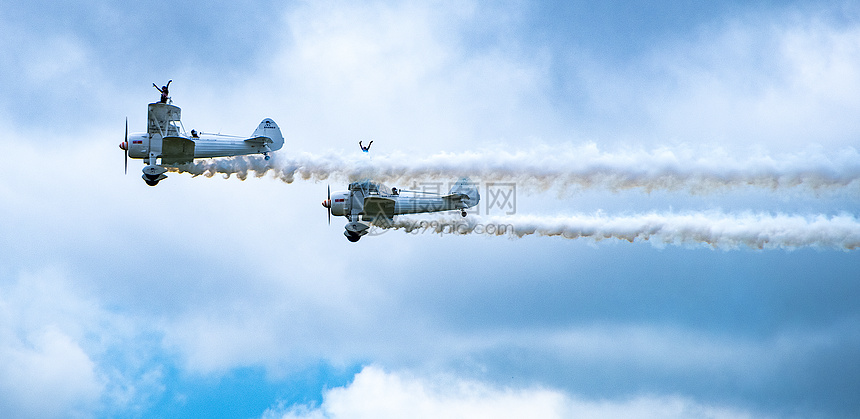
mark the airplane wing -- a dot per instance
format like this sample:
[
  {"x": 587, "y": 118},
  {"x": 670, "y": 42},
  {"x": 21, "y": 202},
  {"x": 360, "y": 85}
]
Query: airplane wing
[
  {"x": 455, "y": 196},
  {"x": 177, "y": 150},
  {"x": 259, "y": 140},
  {"x": 378, "y": 207},
  {"x": 161, "y": 117}
]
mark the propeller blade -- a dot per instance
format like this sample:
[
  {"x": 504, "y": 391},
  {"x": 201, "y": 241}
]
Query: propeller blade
[
  {"x": 328, "y": 197},
  {"x": 126, "y": 145}
]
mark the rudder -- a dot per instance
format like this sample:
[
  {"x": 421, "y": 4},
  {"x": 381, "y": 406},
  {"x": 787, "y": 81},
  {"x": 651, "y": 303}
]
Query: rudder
[
  {"x": 466, "y": 187},
  {"x": 268, "y": 128}
]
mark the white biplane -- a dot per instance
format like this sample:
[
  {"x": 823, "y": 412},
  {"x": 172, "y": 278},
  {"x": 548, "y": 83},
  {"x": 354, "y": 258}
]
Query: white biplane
[
  {"x": 165, "y": 139},
  {"x": 368, "y": 203}
]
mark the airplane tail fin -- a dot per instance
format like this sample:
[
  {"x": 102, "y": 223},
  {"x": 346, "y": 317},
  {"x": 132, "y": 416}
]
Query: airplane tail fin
[
  {"x": 268, "y": 128},
  {"x": 470, "y": 189}
]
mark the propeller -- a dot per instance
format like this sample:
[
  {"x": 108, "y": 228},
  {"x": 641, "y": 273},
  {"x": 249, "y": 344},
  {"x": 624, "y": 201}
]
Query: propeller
[
  {"x": 124, "y": 145},
  {"x": 327, "y": 203}
]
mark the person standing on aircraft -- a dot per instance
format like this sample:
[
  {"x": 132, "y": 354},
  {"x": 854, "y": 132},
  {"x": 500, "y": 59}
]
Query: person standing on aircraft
[
  {"x": 365, "y": 149},
  {"x": 163, "y": 90}
]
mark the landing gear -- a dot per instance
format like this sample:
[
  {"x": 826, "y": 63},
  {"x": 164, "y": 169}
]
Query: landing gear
[
  {"x": 267, "y": 156},
  {"x": 152, "y": 174},
  {"x": 355, "y": 229},
  {"x": 463, "y": 213}
]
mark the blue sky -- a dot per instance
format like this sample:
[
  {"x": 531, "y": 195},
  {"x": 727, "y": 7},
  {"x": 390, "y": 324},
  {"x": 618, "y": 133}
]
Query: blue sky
[{"x": 225, "y": 298}]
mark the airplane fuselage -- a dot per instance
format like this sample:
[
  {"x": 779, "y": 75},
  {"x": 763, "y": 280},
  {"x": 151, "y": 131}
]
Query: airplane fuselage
[
  {"x": 166, "y": 144},
  {"x": 205, "y": 146},
  {"x": 341, "y": 205}
]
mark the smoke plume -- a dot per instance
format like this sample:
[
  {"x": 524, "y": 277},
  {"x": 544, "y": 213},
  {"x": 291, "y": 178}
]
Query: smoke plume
[
  {"x": 714, "y": 229},
  {"x": 567, "y": 167}
]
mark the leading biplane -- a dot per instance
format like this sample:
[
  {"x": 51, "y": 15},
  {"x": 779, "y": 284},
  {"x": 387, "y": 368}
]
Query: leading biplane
[{"x": 166, "y": 143}]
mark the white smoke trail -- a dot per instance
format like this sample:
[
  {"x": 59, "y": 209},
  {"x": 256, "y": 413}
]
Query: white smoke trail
[
  {"x": 541, "y": 168},
  {"x": 718, "y": 230}
]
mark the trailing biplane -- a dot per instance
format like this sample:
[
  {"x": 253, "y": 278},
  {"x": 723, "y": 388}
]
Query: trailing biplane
[{"x": 366, "y": 203}]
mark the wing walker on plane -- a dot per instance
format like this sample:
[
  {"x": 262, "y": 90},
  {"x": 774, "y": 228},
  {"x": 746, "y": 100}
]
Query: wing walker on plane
[{"x": 166, "y": 144}]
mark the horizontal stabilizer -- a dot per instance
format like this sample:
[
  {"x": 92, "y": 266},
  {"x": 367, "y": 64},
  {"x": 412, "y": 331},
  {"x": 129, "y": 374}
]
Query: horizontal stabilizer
[{"x": 259, "y": 140}]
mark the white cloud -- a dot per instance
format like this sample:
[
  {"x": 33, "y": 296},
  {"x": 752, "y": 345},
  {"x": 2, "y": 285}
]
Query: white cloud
[
  {"x": 55, "y": 59},
  {"x": 46, "y": 372},
  {"x": 781, "y": 80},
  {"x": 63, "y": 355},
  {"x": 782, "y": 84},
  {"x": 399, "y": 73},
  {"x": 377, "y": 394}
]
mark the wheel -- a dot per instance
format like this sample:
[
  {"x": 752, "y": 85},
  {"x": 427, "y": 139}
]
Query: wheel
[
  {"x": 151, "y": 183},
  {"x": 267, "y": 157},
  {"x": 463, "y": 213},
  {"x": 353, "y": 237}
]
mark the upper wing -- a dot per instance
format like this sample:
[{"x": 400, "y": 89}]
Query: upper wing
[
  {"x": 161, "y": 118},
  {"x": 378, "y": 207}
]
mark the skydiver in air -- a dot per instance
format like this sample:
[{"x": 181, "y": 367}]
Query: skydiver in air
[
  {"x": 365, "y": 149},
  {"x": 163, "y": 90}
]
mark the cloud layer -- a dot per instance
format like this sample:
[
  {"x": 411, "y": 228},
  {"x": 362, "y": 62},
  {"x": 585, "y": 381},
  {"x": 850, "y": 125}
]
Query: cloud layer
[
  {"x": 375, "y": 393},
  {"x": 112, "y": 292}
]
